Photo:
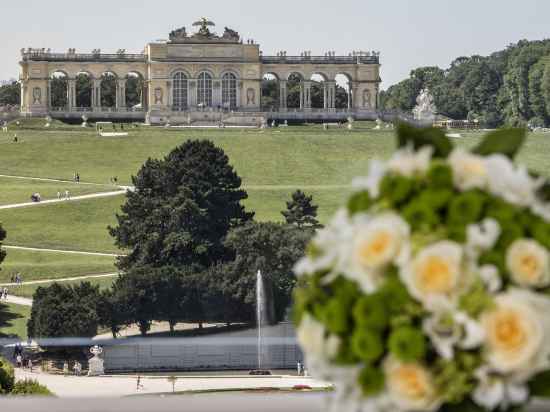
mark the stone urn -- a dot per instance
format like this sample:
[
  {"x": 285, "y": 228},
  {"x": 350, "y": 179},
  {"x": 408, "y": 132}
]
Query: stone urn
[
  {"x": 84, "y": 120},
  {"x": 95, "y": 364}
]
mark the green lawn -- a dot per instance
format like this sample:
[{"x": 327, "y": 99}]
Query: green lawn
[
  {"x": 27, "y": 291},
  {"x": 34, "y": 265},
  {"x": 13, "y": 320},
  {"x": 19, "y": 190},
  {"x": 80, "y": 225}
]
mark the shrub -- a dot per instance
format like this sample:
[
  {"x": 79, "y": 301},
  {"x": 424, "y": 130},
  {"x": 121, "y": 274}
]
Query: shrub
[
  {"x": 7, "y": 377},
  {"x": 30, "y": 387}
]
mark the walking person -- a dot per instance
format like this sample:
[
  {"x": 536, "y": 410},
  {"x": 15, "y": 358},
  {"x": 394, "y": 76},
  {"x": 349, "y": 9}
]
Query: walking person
[
  {"x": 29, "y": 364},
  {"x": 66, "y": 368},
  {"x": 67, "y": 195},
  {"x": 77, "y": 368},
  {"x": 77, "y": 178},
  {"x": 19, "y": 360},
  {"x": 58, "y": 195}
]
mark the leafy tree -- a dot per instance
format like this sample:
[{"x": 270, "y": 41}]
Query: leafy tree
[
  {"x": 272, "y": 248},
  {"x": 10, "y": 94},
  {"x": 134, "y": 90},
  {"x": 301, "y": 211},
  {"x": 270, "y": 94},
  {"x": 293, "y": 87},
  {"x": 341, "y": 97},
  {"x": 61, "y": 311},
  {"x": 7, "y": 376},
  {"x": 59, "y": 86},
  {"x": 84, "y": 86},
  {"x": 181, "y": 209},
  {"x": 108, "y": 90}
]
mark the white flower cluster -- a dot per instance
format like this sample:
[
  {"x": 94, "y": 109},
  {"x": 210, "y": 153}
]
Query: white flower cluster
[{"x": 512, "y": 335}]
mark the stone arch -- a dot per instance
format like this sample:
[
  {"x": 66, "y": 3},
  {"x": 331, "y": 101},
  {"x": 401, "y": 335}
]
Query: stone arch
[
  {"x": 271, "y": 91},
  {"x": 84, "y": 88},
  {"x": 344, "y": 94},
  {"x": 59, "y": 90},
  {"x": 294, "y": 86},
  {"x": 318, "y": 90},
  {"x": 180, "y": 89},
  {"x": 109, "y": 86},
  {"x": 205, "y": 88},
  {"x": 133, "y": 89},
  {"x": 229, "y": 89}
]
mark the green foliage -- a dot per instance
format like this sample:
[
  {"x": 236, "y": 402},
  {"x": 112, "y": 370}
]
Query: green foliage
[
  {"x": 506, "y": 142},
  {"x": 539, "y": 386},
  {"x": 466, "y": 208},
  {"x": 30, "y": 387},
  {"x": 370, "y": 312},
  {"x": 396, "y": 189},
  {"x": 367, "y": 345},
  {"x": 301, "y": 211},
  {"x": 421, "y": 215},
  {"x": 440, "y": 176},
  {"x": 3, "y": 235},
  {"x": 359, "y": 202},
  {"x": 335, "y": 316},
  {"x": 7, "y": 376},
  {"x": 371, "y": 380},
  {"x": 511, "y": 86},
  {"x": 10, "y": 94},
  {"x": 407, "y": 344},
  {"x": 421, "y": 137},
  {"x": 476, "y": 301},
  {"x": 181, "y": 210},
  {"x": 64, "y": 311}
]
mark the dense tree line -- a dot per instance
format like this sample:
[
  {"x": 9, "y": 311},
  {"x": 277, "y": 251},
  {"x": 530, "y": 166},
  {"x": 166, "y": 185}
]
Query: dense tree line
[
  {"x": 10, "y": 94},
  {"x": 194, "y": 252},
  {"x": 509, "y": 87}
]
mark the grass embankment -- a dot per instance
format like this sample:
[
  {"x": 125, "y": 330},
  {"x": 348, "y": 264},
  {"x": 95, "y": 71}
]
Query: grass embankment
[
  {"x": 13, "y": 320},
  {"x": 34, "y": 265}
]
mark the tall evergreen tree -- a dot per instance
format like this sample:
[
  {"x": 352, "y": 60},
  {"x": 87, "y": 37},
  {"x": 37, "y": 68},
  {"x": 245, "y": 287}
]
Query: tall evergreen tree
[
  {"x": 301, "y": 211},
  {"x": 2, "y": 237},
  {"x": 181, "y": 209}
]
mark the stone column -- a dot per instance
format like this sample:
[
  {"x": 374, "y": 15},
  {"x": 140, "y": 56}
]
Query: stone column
[
  {"x": 97, "y": 95},
  {"x": 331, "y": 94},
  {"x": 307, "y": 95},
  {"x": 216, "y": 93},
  {"x": 192, "y": 94},
  {"x": 71, "y": 89},
  {"x": 325, "y": 96},
  {"x": 301, "y": 95},
  {"x": 282, "y": 95},
  {"x": 49, "y": 93},
  {"x": 24, "y": 99},
  {"x": 121, "y": 94},
  {"x": 144, "y": 96},
  {"x": 169, "y": 95},
  {"x": 355, "y": 99}
]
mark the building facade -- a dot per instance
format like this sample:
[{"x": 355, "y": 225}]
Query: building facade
[{"x": 196, "y": 77}]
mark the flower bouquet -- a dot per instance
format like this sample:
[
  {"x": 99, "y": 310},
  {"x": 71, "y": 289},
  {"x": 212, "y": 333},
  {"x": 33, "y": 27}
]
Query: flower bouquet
[{"x": 430, "y": 290}]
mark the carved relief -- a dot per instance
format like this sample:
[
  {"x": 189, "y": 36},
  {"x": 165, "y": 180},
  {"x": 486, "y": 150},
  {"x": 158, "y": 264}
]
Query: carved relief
[
  {"x": 251, "y": 96},
  {"x": 159, "y": 96},
  {"x": 367, "y": 104},
  {"x": 37, "y": 95}
]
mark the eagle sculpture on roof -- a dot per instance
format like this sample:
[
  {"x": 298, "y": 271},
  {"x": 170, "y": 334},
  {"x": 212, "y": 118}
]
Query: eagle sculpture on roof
[{"x": 204, "y": 23}]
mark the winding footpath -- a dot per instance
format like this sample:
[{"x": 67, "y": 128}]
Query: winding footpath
[
  {"x": 71, "y": 252},
  {"x": 71, "y": 199}
]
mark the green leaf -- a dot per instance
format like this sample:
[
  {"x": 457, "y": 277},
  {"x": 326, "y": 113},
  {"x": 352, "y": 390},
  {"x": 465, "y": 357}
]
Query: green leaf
[
  {"x": 539, "y": 386},
  {"x": 505, "y": 141},
  {"x": 421, "y": 137}
]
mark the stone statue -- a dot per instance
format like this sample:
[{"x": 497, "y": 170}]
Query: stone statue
[
  {"x": 367, "y": 99},
  {"x": 231, "y": 34},
  {"x": 37, "y": 95},
  {"x": 204, "y": 23},
  {"x": 251, "y": 97},
  {"x": 159, "y": 96},
  {"x": 425, "y": 109},
  {"x": 95, "y": 364},
  {"x": 178, "y": 34}
]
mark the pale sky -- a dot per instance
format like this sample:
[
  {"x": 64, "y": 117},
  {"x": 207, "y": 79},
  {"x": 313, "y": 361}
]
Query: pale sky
[{"x": 408, "y": 33}]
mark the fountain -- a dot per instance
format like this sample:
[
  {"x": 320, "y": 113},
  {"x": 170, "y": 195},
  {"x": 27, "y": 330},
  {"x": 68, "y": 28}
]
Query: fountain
[{"x": 260, "y": 319}]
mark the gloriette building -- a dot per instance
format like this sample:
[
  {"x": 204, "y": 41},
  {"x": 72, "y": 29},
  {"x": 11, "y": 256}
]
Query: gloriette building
[{"x": 200, "y": 77}]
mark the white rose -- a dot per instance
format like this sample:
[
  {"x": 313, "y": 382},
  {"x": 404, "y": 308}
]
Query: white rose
[
  {"x": 371, "y": 183},
  {"x": 435, "y": 274},
  {"x": 410, "y": 386},
  {"x": 377, "y": 243},
  {"x": 482, "y": 236},
  {"x": 514, "y": 185},
  {"x": 517, "y": 332},
  {"x": 408, "y": 162},
  {"x": 494, "y": 391},
  {"x": 330, "y": 243},
  {"x": 528, "y": 263},
  {"x": 469, "y": 170}
]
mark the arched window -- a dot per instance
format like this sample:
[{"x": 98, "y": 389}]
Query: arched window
[
  {"x": 179, "y": 87},
  {"x": 229, "y": 90},
  {"x": 204, "y": 90}
]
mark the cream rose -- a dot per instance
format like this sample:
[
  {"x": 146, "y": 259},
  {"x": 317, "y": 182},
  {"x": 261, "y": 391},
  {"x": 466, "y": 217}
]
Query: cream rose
[
  {"x": 435, "y": 273},
  {"x": 528, "y": 263},
  {"x": 313, "y": 338},
  {"x": 517, "y": 333},
  {"x": 410, "y": 386},
  {"x": 408, "y": 162},
  {"x": 377, "y": 243},
  {"x": 469, "y": 170}
]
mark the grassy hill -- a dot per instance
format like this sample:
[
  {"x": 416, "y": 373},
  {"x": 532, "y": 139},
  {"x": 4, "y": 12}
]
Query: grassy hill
[{"x": 273, "y": 163}]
